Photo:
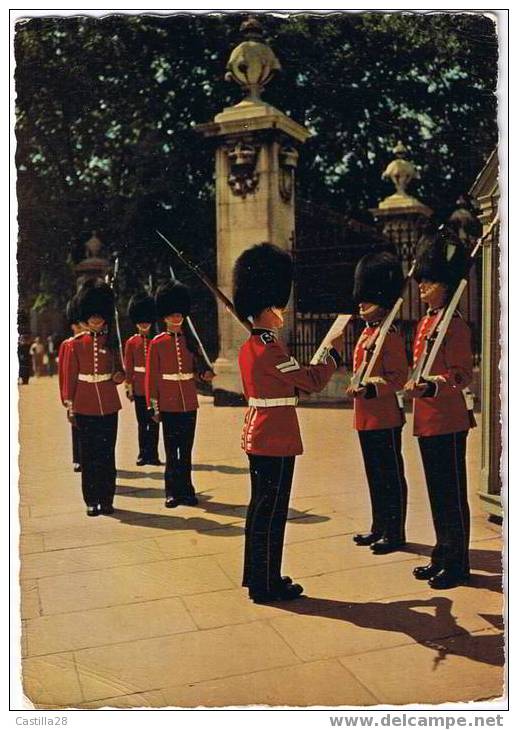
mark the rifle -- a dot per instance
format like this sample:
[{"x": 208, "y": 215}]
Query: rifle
[
  {"x": 149, "y": 286},
  {"x": 111, "y": 281},
  {"x": 374, "y": 344},
  {"x": 443, "y": 318},
  {"x": 194, "y": 333},
  {"x": 208, "y": 283}
]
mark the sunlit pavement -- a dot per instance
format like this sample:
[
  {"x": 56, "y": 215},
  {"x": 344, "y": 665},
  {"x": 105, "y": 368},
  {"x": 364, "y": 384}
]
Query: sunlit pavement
[{"x": 144, "y": 608}]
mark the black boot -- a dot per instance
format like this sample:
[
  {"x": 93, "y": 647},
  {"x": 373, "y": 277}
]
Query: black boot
[
  {"x": 425, "y": 572},
  {"x": 367, "y": 539}
]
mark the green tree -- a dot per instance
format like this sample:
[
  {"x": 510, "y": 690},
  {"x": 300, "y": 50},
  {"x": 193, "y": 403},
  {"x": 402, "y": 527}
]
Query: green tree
[{"x": 106, "y": 110}]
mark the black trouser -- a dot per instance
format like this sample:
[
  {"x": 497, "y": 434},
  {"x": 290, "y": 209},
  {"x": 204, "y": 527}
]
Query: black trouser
[
  {"x": 271, "y": 478},
  {"x": 148, "y": 430},
  {"x": 381, "y": 449},
  {"x": 25, "y": 373},
  {"x": 178, "y": 433},
  {"x": 76, "y": 448},
  {"x": 444, "y": 462},
  {"x": 97, "y": 437}
]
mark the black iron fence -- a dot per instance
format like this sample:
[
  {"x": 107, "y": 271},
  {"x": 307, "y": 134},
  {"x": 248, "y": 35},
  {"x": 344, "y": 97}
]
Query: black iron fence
[{"x": 327, "y": 247}]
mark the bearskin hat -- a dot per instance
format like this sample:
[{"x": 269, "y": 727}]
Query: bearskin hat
[
  {"x": 141, "y": 308},
  {"x": 378, "y": 278},
  {"x": 95, "y": 297},
  {"x": 172, "y": 298},
  {"x": 262, "y": 278},
  {"x": 72, "y": 312},
  {"x": 440, "y": 257}
]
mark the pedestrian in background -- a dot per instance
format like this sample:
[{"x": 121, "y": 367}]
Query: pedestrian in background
[
  {"x": 38, "y": 353},
  {"x": 24, "y": 359}
]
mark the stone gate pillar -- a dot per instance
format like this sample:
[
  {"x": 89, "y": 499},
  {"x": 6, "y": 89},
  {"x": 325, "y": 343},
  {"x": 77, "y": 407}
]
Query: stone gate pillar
[{"x": 256, "y": 159}]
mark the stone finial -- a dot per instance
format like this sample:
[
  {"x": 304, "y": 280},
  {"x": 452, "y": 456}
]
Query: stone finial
[
  {"x": 401, "y": 172},
  {"x": 252, "y": 63},
  {"x": 93, "y": 246}
]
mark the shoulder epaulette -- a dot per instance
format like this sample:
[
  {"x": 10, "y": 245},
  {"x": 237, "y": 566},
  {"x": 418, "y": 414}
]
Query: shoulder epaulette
[
  {"x": 75, "y": 337},
  {"x": 267, "y": 338},
  {"x": 159, "y": 336}
]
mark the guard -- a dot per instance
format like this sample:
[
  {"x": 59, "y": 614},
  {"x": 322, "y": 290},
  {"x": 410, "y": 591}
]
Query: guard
[
  {"x": 441, "y": 416},
  {"x": 271, "y": 436},
  {"x": 173, "y": 363},
  {"x": 378, "y": 417},
  {"x": 72, "y": 316},
  {"x": 91, "y": 375},
  {"x": 141, "y": 310}
]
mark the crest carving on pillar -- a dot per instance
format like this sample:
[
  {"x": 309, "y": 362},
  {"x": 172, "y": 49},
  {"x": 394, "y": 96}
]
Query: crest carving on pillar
[
  {"x": 288, "y": 161},
  {"x": 243, "y": 177}
]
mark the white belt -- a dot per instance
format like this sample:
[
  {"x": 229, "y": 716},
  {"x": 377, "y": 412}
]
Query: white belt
[
  {"x": 97, "y": 378},
  {"x": 177, "y": 376},
  {"x": 139, "y": 369},
  {"x": 272, "y": 402}
]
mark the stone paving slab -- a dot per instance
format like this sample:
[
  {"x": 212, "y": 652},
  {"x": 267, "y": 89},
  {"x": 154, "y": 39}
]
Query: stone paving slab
[
  {"x": 32, "y": 543},
  {"x": 313, "y": 683},
  {"x": 463, "y": 668},
  {"x": 126, "y": 526},
  {"x": 94, "y": 557},
  {"x": 98, "y": 627},
  {"x": 139, "y": 700},
  {"x": 130, "y": 584},
  {"x": 177, "y": 660},
  {"x": 29, "y": 599},
  {"x": 52, "y": 681},
  {"x": 146, "y": 609}
]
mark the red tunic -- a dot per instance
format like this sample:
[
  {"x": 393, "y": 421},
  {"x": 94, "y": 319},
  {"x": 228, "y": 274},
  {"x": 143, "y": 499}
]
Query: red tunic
[
  {"x": 62, "y": 353},
  {"x": 268, "y": 372},
  {"x": 87, "y": 364},
  {"x": 170, "y": 374},
  {"x": 446, "y": 412},
  {"x": 391, "y": 367},
  {"x": 135, "y": 356}
]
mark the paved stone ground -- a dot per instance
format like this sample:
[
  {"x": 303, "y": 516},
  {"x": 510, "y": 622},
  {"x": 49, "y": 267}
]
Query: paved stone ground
[{"x": 145, "y": 609}]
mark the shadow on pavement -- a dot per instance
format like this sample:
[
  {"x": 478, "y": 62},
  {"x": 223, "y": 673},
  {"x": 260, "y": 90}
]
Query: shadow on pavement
[
  {"x": 208, "y": 504},
  {"x": 158, "y": 473},
  {"x": 223, "y": 468},
  {"x": 438, "y": 631},
  {"x": 175, "y": 521}
]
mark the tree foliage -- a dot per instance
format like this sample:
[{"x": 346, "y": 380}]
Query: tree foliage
[{"x": 106, "y": 110}]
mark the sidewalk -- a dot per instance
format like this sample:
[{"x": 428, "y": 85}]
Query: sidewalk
[{"x": 145, "y": 608}]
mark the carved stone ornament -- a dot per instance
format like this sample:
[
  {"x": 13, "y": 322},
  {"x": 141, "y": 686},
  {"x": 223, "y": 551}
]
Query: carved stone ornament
[
  {"x": 242, "y": 159},
  {"x": 288, "y": 161},
  {"x": 93, "y": 246},
  {"x": 252, "y": 63},
  {"x": 401, "y": 171}
]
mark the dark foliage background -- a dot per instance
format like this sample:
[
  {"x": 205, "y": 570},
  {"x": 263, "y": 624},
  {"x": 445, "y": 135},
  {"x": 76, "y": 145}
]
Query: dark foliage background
[{"x": 106, "y": 109}]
